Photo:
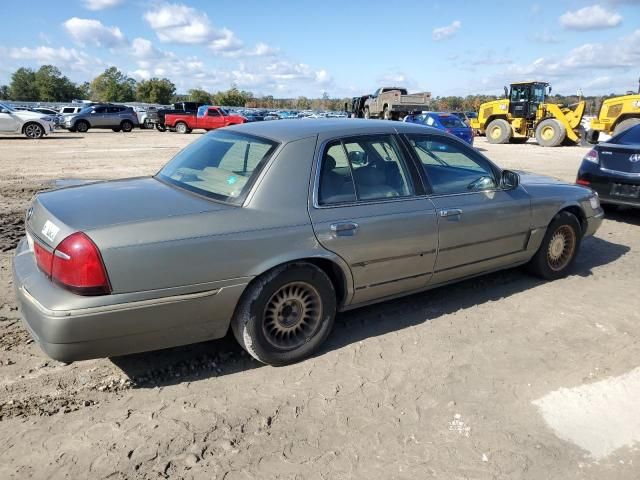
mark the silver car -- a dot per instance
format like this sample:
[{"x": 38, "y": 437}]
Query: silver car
[
  {"x": 116, "y": 117},
  {"x": 270, "y": 228}
]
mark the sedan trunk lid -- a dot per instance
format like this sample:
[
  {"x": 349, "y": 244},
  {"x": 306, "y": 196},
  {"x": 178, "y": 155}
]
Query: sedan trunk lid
[
  {"x": 619, "y": 158},
  {"x": 56, "y": 214}
]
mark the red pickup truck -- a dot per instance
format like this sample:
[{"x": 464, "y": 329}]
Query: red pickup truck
[{"x": 212, "y": 117}]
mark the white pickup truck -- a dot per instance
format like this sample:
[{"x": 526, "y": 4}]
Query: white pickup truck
[{"x": 31, "y": 124}]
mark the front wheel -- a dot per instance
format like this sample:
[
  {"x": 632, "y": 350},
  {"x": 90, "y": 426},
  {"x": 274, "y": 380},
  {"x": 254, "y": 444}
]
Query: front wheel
[
  {"x": 558, "y": 249},
  {"x": 498, "y": 131},
  {"x": 286, "y": 314},
  {"x": 82, "y": 126},
  {"x": 160, "y": 127},
  {"x": 386, "y": 113},
  {"x": 550, "y": 133},
  {"x": 33, "y": 131}
]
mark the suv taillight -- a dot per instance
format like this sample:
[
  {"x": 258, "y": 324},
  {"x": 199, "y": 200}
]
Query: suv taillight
[{"x": 75, "y": 264}]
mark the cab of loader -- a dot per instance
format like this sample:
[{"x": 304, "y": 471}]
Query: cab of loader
[{"x": 524, "y": 98}]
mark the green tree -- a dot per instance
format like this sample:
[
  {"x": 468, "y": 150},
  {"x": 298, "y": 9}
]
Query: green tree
[
  {"x": 155, "y": 90},
  {"x": 23, "y": 85},
  {"x": 303, "y": 103},
  {"x": 233, "y": 97},
  {"x": 83, "y": 91},
  {"x": 199, "y": 95},
  {"x": 53, "y": 86},
  {"x": 113, "y": 86},
  {"x": 4, "y": 92}
]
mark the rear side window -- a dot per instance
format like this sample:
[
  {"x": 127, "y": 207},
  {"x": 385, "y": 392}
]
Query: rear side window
[
  {"x": 630, "y": 136},
  {"x": 451, "y": 121},
  {"x": 363, "y": 168}
]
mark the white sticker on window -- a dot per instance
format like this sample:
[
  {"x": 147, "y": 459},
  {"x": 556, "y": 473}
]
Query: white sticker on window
[{"x": 50, "y": 230}]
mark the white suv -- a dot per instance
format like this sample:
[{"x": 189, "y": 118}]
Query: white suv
[{"x": 31, "y": 124}]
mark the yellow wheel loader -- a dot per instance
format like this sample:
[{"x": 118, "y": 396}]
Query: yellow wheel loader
[
  {"x": 524, "y": 114},
  {"x": 616, "y": 115}
]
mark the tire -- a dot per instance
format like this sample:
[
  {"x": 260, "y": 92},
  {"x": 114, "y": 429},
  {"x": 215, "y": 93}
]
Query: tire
[
  {"x": 82, "y": 126},
  {"x": 126, "y": 126},
  {"x": 258, "y": 324},
  {"x": 550, "y": 262},
  {"x": 367, "y": 113},
  {"x": 182, "y": 128},
  {"x": 498, "y": 131},
  {"x": 147, "y": 125},
  {"x": 386, "y": 114},
  {"x": 160, "y": 127},
  {"x": 33, "y": 130},
  {"x": 116, "y": 129},
  {"x": 626, "y": 124},
  {"x": 592, "y": 137},
  {"x": 550, "y": 133}
]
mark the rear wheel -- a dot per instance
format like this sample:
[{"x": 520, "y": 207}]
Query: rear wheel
[
  {"x": 33, "y": 130},
  {"x": 286, "y": 314},
  {"x": 626, "y": 124},
  {"x": 160, "y": 127},
  {"x": 82, "y": 126},
  {"x": 559, "y": 247},
  {"x": 126, "y": 126},
  {"x": 550, "y": 133},
  {"x": 498, "y": 131},
  {"x": 181, "y": 127}
]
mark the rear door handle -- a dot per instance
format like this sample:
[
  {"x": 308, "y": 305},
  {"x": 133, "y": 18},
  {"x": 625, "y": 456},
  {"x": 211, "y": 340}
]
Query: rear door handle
[
  {"x": 344, "y": 229},
  {"x": 452, "y": 212}
]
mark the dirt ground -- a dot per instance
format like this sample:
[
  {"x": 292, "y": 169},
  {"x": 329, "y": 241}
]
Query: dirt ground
[{"x": 463, "y": 382}]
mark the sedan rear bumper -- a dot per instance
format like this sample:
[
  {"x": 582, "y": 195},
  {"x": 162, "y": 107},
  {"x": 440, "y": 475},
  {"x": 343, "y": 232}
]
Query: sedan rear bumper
[
  {"x": 122, "y": 328},
  {"x": 602, "y": 181}
]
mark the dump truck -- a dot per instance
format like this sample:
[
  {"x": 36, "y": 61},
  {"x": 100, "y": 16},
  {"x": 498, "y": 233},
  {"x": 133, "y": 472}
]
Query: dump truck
[
  {"x": 393, "y": 103},
  {"x": 524, "y": 113},
  {"x": 616, "y": 115}
]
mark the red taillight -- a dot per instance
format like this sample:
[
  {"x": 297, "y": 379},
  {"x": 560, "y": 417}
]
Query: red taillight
[
  {"x": 44, "y": 258},
  {"x": 592, "y": 156},
  {"x": 75, "y": 264},
  {"x": 583, "y": 182}
]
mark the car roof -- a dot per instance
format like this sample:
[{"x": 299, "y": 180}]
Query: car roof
[{"x": 295, "y": 129}]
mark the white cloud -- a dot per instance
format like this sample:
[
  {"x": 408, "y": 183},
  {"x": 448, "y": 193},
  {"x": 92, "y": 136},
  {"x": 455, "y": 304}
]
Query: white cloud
[
  {"x": 179, "y": 23},
  {"x": 96, "y": 5},
  {"x": 227, "y": 43},
  {"x": 594, "y": 17},
  {"x": 64, "y": 58},
  {"x": 141, "y": 48},
  {"x": 262, "y": 50},
  {"x": 441, "y": 33},
  {"x": 92, "y": 32}
]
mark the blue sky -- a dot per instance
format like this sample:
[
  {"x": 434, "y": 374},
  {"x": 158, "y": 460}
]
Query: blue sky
[{"x": 293, "y": 47}]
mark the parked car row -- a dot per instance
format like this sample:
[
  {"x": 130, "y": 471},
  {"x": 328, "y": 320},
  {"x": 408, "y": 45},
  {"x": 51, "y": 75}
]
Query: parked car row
[{"x": 28, "y": 123}]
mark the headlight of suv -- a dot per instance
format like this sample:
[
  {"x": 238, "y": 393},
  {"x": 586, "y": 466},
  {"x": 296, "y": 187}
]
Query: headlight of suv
[
  {"x": 595, "y": 202},
  {"x": 47, "y": 119}
]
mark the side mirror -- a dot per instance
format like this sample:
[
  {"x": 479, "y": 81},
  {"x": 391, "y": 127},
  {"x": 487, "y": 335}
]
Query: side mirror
[
  {"x": 506, "y": 92},
  {"x": 509, "y": 180}
]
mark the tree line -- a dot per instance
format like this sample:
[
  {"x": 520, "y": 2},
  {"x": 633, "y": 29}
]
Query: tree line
[{"x": 48, "y": 84}]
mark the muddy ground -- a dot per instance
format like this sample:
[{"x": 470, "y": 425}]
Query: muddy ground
[{"x": 436, "y": 385}]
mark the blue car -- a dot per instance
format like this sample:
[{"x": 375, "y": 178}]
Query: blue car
[{"x": 444, "y": 121}]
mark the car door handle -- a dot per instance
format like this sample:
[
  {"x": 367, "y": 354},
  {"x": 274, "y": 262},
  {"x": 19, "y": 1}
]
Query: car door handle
[
  {"x": 344, "y": 229},
  {"x": 452, "y": 212}
]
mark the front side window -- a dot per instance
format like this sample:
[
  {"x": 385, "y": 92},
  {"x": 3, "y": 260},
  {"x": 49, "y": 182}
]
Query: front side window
[
  {"x": 363, "y": 168},
  {"x": 100, "y": 109},
  {"x": 214, "y": 113},
  {"x": 519, "y": 93},
  {"x": 221, "y": 165},
  {"x": 452, "y": 167}
]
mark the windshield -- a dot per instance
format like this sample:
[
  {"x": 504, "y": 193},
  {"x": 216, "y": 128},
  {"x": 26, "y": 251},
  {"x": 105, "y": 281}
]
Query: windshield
[
  {"x": 220, "y": 165},
  {"x": 7, "y": 107},
  {"x": 451, "y": 121},
  {"x": 629, "y": 137}
]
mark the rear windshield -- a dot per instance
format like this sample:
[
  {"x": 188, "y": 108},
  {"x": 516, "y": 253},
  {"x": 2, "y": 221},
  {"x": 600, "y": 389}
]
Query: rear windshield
[
  {"x": 221, "y": 165},
  {"x": 629, "y": 137},
  {"x": 451, "y": 121}
]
